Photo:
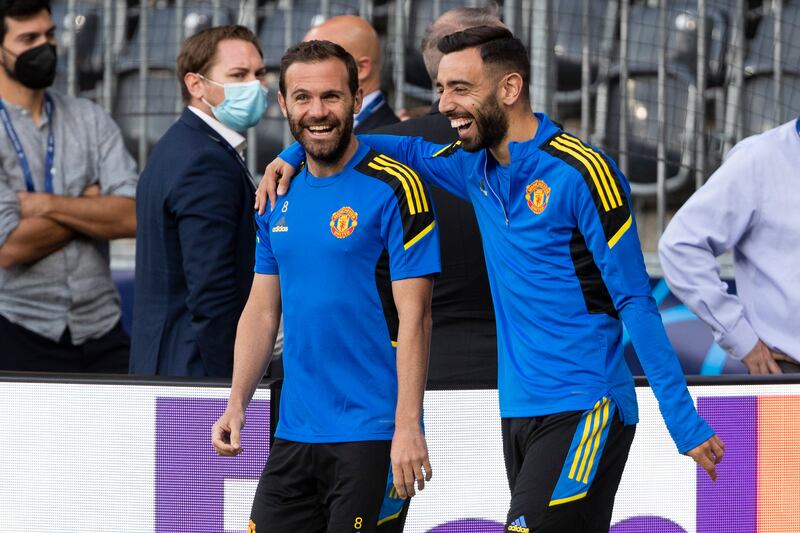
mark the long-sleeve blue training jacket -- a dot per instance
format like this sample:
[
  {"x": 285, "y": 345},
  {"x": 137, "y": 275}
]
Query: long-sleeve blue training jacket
[{"x": 566, "y": 270}]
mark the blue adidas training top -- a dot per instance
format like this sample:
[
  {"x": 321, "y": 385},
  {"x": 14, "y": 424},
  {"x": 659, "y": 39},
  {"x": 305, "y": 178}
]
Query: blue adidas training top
[
  {"x": 325, "y": 239},
  {"x": 565, "y": 265}
]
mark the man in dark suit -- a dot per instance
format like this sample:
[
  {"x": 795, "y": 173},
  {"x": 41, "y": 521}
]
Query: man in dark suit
[
  {"x": 195, "y": 243},
  {"x": 359, "y": 38},
  {"x": 464, "y": 340}
]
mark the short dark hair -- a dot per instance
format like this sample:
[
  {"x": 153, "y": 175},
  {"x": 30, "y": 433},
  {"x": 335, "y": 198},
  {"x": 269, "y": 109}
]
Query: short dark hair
[
  {"x": 498, "y": 48},
  {"x": 314, "y": 52},
  {"x": 20, "y": 9},
  {"x": 199, "y": 51}
]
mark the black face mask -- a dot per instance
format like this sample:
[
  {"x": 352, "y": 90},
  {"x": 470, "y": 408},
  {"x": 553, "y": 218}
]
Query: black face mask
[{"x": 35, "y": 68}]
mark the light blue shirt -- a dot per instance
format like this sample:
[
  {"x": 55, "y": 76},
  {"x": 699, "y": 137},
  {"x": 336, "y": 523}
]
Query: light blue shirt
[{"x": 750, "y": 204}]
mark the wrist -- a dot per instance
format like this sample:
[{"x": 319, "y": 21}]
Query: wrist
[
  {"x": 49, "y": 205},
  {"x": 236, "y": 405},
  {"x": 406, "y": 424}
]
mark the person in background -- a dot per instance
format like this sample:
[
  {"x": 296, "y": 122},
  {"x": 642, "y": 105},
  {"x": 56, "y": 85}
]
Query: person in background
[
  {"x": 749, "y": 205},
  {"x": 194, "y": 247},
  {"x": 464, "y": 340},
  {"x": 359, "y": 38},
  {"x": 66, "y": 188}
]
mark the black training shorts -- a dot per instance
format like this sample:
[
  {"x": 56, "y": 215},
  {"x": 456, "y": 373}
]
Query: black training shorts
[
  {"x": 564, "y": 469},
  {"x": 327, "y": 488}
]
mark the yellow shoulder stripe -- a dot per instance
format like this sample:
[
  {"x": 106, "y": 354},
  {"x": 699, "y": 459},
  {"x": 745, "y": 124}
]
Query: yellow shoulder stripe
[
  {"x": 618, "y": 235},
  {"x": 597, "y": 157},
  {"x": 595, "y": 166},
  {"x": 401, "y": 179},
  {"x": 420, "y": 235},
  {"x": 555, "y": 143},
  {"x": 413, "y": 178},
  {"x": 452, "y": 145}
]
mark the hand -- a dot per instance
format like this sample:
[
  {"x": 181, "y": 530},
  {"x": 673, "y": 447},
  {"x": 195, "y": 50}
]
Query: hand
[
  {"x": 91, "y": 190},
  {"x": 409, "y": 457},
  {"x": 708, "y": 455},
  {"x": 761, "y": 360},
  {"x": 225, "y": 434},
  {"x": 34, "y": 204},
  {"x": 275, "y": 182}
]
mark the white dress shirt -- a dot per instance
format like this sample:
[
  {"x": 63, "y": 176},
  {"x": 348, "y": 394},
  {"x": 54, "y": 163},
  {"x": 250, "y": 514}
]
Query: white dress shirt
[
  {"x": 234, "y": 138},
  {"x": 750, "y": 204}
]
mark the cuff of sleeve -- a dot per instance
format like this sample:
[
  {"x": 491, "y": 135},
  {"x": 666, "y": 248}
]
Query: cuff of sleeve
[
  {"x": 414, "y": 273},
  {"x": 266, "y": 270},
  {"x": 126, "y": 189},
  {"x": 702, "y": 433},
  {"x": 739, "y": 340},
  {"x": 8, "y": 223}
]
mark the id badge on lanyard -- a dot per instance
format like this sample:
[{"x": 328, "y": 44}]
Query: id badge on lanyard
[{"x": 23, "y": 160}]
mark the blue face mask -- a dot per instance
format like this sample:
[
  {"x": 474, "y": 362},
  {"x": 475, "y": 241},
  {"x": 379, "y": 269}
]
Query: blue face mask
[{"x": 243, "y": 106}]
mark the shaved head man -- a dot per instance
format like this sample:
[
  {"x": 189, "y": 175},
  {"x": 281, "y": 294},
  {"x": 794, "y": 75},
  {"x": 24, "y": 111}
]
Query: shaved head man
[{"x": 359, "y": 38}]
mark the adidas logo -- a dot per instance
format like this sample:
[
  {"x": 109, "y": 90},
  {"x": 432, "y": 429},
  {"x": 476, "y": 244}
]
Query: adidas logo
[
  {"x": 519, "y": 526},
  {"x": 281, "y": 226}
]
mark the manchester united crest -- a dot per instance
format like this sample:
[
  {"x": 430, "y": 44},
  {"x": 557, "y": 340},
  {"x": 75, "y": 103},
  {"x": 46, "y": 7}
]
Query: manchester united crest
[
  {"x": 537, "y": 194},
  {"x": 344, "y": 222}
]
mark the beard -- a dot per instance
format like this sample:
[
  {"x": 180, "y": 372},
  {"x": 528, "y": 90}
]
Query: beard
[
  {"x": 329, "y": 151},
  {"x": 491, "y": 125}
]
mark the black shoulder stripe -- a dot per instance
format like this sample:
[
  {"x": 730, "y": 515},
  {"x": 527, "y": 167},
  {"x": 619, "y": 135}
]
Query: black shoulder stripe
[
  {"x": 413, "y": 198},
  {"x": 595, "y": 293},
  {"x": 600, "y": 177},
  {"x": 448, "y": 150}
]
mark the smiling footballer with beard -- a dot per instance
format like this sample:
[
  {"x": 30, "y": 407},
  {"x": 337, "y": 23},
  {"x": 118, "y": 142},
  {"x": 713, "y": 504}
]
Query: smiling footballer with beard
[{"x": 349, "y": 449}]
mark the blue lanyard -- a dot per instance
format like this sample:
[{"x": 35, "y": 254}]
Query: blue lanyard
[
  {"x": 797, "y": 125},
  {"x": 367, "y": 111},
  {"x": 23, "y": 160}
]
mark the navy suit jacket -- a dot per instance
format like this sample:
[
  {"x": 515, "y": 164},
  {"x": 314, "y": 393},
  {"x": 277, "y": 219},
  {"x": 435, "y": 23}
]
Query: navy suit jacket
[
  {"x": 195, "y": 245},
  {"x": 383, "y": 116}
]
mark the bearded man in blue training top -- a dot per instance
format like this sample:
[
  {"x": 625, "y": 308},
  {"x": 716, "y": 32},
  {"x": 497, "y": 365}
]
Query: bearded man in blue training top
[
  {"x": 349, "y": 445},
  {"x": 566, "y": 270}
]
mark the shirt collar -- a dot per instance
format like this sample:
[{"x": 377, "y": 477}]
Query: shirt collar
[
  {"x": 369, "y": 98},
  {"x": 234, "y": 138},
  {"x": 546, "y": 129},
  {"x": 15, "y": 110}
]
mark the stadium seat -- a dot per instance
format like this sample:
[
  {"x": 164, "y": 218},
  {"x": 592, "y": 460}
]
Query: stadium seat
[
  {"x": 682, "y": 22},
  {"x": 89, "y": 42},
  {"x": 162, "y": 97},
  {"x": 305, "y": 15},
  {"x": 162, "y": 38},
  {"x": 642, "y": 109},
  {"x": 759, "y": 110},
  {"x": 568, "y": 24}
]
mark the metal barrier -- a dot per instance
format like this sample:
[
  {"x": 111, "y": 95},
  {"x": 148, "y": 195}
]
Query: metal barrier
[{"x": 665, "y": 86}]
